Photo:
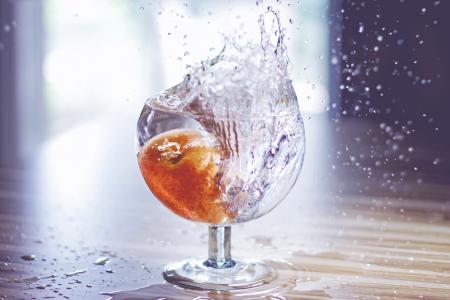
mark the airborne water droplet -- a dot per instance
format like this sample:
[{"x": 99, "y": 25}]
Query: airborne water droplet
[
  {"x": 334, "y": 60},
  {"x": 361, "y": 28}
]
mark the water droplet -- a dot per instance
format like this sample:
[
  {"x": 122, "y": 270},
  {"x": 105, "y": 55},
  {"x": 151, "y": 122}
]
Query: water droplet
[
  {"x": 361, "y": 28},
  {"x": 109, "y": 271},
  {"x": 380, "y": 38},
  {"x": 334, "y": 60},
  {"x": 186, "y": 53},
  {"x": 436, "y": 161},
  {"x": 7, "y": 28},
  {"x": 29, "y": 257},
  {"x": 101, "y": 261},
  {"x": 410, "y": 149},
  {"x": 76, "y": 272},
  {"x": 146, "y": 268}
]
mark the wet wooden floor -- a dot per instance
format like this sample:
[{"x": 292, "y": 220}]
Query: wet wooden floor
[{"x": 80, "y": 223}]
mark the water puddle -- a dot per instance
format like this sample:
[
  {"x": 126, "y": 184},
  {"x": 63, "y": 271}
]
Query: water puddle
[{"x": 285, "y": 286}]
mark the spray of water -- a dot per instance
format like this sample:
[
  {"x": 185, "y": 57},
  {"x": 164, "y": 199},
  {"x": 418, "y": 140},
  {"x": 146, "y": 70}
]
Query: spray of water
[{"x": 244, "y": 98}]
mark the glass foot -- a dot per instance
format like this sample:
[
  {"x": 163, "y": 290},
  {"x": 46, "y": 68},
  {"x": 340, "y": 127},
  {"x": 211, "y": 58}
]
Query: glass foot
[{"x": 195, "y": 274}]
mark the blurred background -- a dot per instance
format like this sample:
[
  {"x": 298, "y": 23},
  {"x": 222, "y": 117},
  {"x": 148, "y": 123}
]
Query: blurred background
[
  {"x": 65, "y": 63},
  {"x": 373, "y": 82},
  {"x": 371, "y": 76}
]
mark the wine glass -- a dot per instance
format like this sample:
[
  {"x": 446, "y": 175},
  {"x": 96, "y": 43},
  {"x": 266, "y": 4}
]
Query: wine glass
[{"x": 219, "y": 168}]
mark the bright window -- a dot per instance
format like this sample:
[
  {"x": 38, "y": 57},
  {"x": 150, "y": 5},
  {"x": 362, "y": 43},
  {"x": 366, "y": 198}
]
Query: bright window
[{"x": 110, "y": 55}]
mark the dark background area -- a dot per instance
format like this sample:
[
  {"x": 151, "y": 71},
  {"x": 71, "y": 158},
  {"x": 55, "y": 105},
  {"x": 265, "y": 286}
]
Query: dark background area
[
  {"x": 8, "y": 109},
  {"x": 395, "y": 67}
]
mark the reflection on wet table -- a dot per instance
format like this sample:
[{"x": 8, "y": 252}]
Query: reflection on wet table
[{"x": 81, "y": 224}]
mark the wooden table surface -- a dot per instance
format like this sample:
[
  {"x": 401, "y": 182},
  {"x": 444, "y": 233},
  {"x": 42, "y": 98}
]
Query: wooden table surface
[{"x": 79, "y": 223}]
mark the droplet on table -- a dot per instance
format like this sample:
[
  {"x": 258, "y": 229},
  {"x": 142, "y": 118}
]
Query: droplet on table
[
  {"x": 28, "y": 257},
  {"x": 101, "y": 261}
]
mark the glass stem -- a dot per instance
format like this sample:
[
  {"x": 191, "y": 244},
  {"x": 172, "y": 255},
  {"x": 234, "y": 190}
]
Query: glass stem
[{"x": 219, "y": 248}]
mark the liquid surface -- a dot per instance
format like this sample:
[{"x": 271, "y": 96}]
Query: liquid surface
[{"x": 181, "y": 167}]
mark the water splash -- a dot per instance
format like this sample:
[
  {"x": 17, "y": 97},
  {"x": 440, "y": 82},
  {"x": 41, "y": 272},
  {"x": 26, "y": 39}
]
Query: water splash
[{"x": 244, "y": 98}]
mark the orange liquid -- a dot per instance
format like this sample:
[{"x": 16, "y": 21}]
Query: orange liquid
[{"x": 181, "y": 168}]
